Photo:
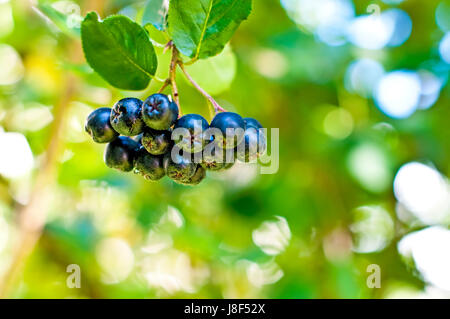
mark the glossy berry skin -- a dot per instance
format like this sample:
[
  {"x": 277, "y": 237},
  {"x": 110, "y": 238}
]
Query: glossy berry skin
[
  {"x": 253, "y": 145},
  {"x": 217, "y": 159},
  {"x": 138, "y": 138},
  {"x": 180, "y": 168},
  {"x": 126, "y": 117},
  {"x": 229, "y": 120},
  {"x": 158, "y": 112},
  {"x": 192, "y": 138},
  {"x": 156, "y": 142},
  {"x": 120, "y": 154},
  {"x": 251, "y": 122},
  {"x": 99, "y": 127},
  {"x": 148, "y": 166},
  {"x": 197, "y": 178}
]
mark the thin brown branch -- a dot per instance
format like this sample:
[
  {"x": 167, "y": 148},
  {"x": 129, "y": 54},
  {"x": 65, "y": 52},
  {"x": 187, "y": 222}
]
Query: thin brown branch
[
  {"x": 167, "y": 82},
  {"x": 173, "y": 75},
  {"x": 214, "y": 103}
]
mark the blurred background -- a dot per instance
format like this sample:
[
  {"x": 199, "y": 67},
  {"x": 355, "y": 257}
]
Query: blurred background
[{"x": 360, "y": 93}]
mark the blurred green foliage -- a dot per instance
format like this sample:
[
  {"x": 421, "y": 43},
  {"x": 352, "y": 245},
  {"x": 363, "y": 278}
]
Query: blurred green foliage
[{"x": 137, "y": 239}]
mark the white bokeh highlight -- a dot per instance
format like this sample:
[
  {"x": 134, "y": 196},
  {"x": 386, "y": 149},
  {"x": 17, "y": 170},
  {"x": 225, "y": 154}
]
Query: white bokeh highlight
[
  {"x": 363, "y": 76},
  {"x": 17, "y": 161},
  {"x": 429, "y": 249},
  {"x": 424, "y": 192},
  {"x": 398, "y": 94},
  {"x": 272, "y": 237},
  {"x": 444, "y": 48}
]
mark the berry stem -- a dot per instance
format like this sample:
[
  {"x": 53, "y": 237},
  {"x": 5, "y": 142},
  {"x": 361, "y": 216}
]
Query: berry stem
[
  {"x": 173, "y": 75},
  {"x": 214, "y": 103},
  {"x": 167, "y": 82}
]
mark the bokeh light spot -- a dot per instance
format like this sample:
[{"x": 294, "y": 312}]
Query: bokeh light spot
[
  {"x": 424, "y": 192},
  {"x": 363, "y": 75},
  {"x": 443, "y": 15},
  {"x": 17, "y": 161},
  {"x": 444, "y": 48},
  {"x": 398, "y": 94},
  {"x": 371, "y": 31},
  {"x": 338, "y": 123},
  {"x": 116, "y": 259},
  {"x": 428, "y": 249},
  {"x": 373, "y": 229},
  {"x": 402, "y": 26},
  {"x": 272, "y": 236},
  {"x": 270, "y": 63},
  {"x": 12, "y": 69},
  {"x": 369, "y": 165}
]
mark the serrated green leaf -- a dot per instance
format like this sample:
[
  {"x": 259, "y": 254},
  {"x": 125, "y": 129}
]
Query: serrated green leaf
[
  {"x": 155, "y": 12},
  {"x": 216, "y": 74},
  {"x": 119, "y": 50},
  {"x": 67, "y": 24},
  {"x": 201, "y": 28}
]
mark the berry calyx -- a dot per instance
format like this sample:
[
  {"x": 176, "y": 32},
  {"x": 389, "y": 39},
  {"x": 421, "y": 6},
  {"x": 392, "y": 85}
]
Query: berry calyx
[
  {"x": 197, "y": 178},
  {"x": 231, "y": 126},
  {"x": 217, "y": 159},
  {"x": 189, "y": 132},
  {"x": 179, "y": 168},
  {"x": 148, "y": 166},
  {"x": 120, "y": 154},
  {"x": 126, "y": 117},
  {"x": 156, "y": 142},
  {"x": 99, "y": 127},
  {"x": 158, "y": 112}
]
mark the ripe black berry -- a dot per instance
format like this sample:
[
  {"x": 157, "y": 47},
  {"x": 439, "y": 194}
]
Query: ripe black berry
[
  {"x": 148, "y": 166},
  {"x": 192, "y": 138},
  {"x": 251, "y": 122},
  {"x": 179, "y": 168},
  {"x": 217, "y": 159},
  {"x": 158, "y": 112},
  {"x": 156, "y": 142},
  {"x": 120, "y": 153},
  {"x": 99, "y": 127},
  {"x": 227, "y": 121},
  {"x": 126, "y": 117},
  {"x": 253, "y": 145},
  {"x": 197, "y": 178}
]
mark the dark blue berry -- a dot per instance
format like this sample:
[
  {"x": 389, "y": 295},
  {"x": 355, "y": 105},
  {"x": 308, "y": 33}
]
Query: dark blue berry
[
  {"x": 251, "y": 122},
  {"x": 226, "y": 121},
  {"x": 178, "y": 167},
  {"x": 197, "y": 178},
  {"x": 126, "y": 117},
  {"x": 191, "y": 132},
  {"x": 120, "y": 153},
  {"x": 217, "y": 159},
  {"x": 148, "y": 166},
  {"x": 99, "y": 127},
  {"x": 159, "y": 113},
  {"x": 157, "y": 142},
  {"x": 253, "y": 145}
]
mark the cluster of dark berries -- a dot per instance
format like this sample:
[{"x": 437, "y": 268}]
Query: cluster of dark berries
[{"x": 149, "y": 138}]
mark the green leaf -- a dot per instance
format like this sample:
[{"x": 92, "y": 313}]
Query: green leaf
[
  {"x": 119, "y": 50},
  {"x": 67, "y": 24},
  {"x": 155, "y": 13},
  {"x": 216, "y": 74},
  {"x": 201, "y": 28}
]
